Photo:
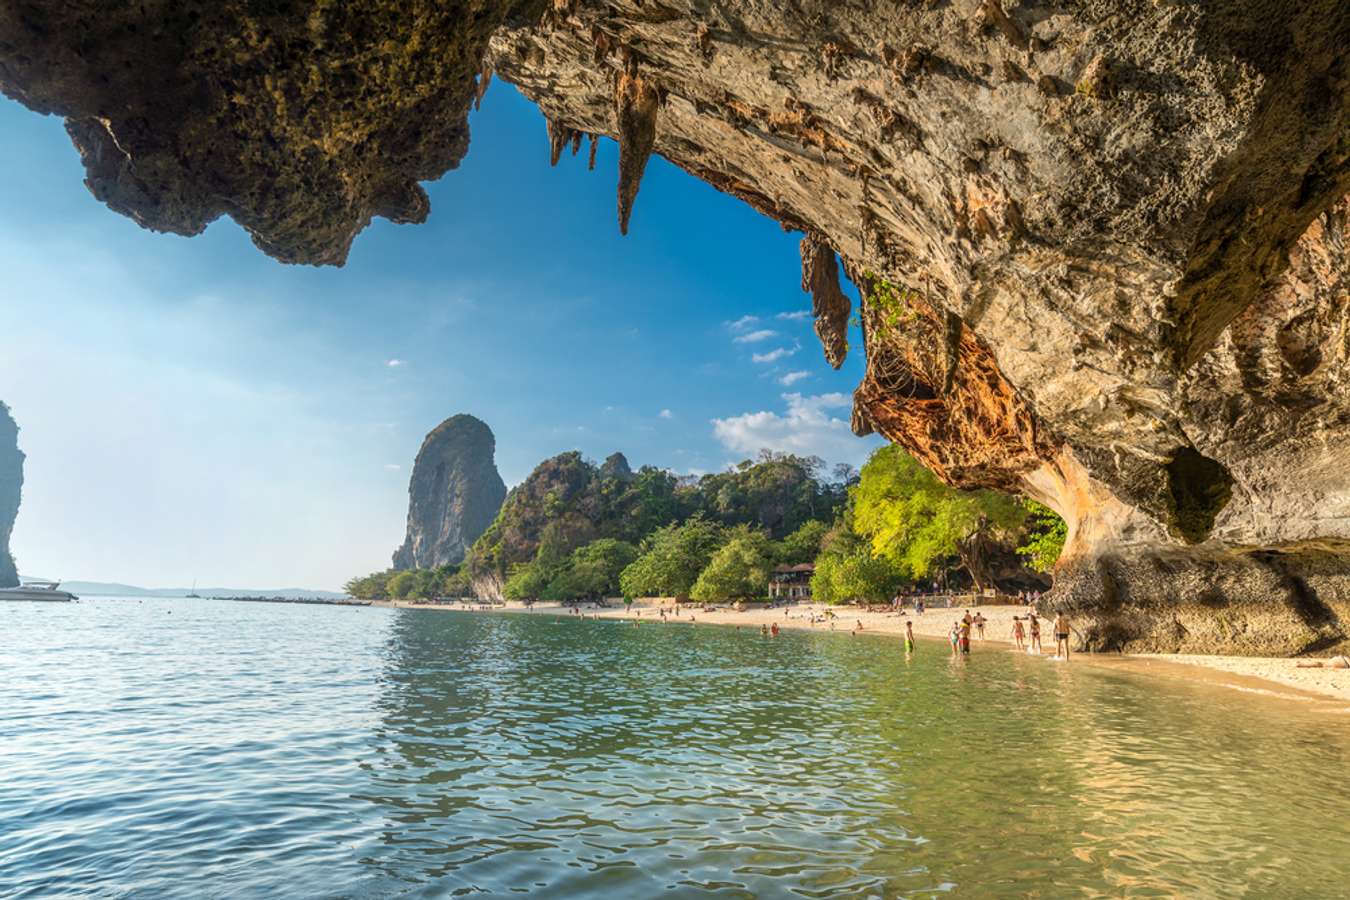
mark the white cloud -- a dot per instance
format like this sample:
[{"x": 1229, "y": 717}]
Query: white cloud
[
  {"x": 792, "y": 378},
  {"x": 810, "y": 426},
  {"x": 754, "y": 337},
  {"x": 774, "y": 355},
  {"x": 794, "y": 316},
  {"x": 743, "y": 323},
  {"x": 666, "y": 414},
  {"x": 394, "y": 363}
]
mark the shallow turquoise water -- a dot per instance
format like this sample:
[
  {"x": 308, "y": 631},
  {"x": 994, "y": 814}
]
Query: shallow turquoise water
[{"x": 210, "y": 749}]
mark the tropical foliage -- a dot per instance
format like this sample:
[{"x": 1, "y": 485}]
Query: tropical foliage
[
  {"x": 577, "y": 531},
  {"x": 739, "y": 570},
  {"x": 672, "y": 558},
  {"x": 1045, "y": 541}
]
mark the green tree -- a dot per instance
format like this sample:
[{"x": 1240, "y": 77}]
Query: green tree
[
  {"x": 369, "y": 587},
  {"x": 855, "y": 576},
  {"x": 528, "y": 581},
  {"x": 737, "y": 571},
  {"x": 402, "y": 585},
  {"x": 672, "y": 559},
  {"x": 803, "y": 545},
  {"x": 916, "y": 522},
  {"x": 455, "y": 583},
  {"x": 592, "y": 571},
  {"x": 1045, "y": 539}
]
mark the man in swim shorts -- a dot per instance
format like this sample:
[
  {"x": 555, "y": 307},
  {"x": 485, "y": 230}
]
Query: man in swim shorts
[
  {"x": 1062, "y": 635},
  {"x": 909, "y": 638}
]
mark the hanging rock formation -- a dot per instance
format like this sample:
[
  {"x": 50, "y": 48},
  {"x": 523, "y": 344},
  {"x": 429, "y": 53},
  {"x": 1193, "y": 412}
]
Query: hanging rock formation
[
  {"x": 1101, "y": 245},
  {"x": 454, "y": 494},
  {"x": 11, "y": 488}
]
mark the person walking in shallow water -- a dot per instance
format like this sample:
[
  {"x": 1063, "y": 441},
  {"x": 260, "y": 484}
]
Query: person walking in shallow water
[
  {"x": 1062, "y": 635},
  {"x": 909, "y": 638},
  {"x": 1035, "y": 625},
  {"x": 1018, "y": 633}
]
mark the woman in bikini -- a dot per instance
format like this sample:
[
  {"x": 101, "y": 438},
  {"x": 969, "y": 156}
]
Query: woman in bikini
[
  {"x": 1035, "y": 633},
  {"x": 1018, "y": 633}
]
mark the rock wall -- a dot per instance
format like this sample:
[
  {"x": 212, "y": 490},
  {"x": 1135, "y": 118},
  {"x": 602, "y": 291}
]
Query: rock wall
[
  {"x": 11, "y": 488},
  {"x": 453, "y": 495},
  {"x": 1100, "y": 242}
]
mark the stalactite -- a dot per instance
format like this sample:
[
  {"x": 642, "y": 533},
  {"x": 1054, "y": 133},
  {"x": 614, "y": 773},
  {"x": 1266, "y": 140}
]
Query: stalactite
[
  {"x": 636, "y": 102},
  {"x": 558, "y": 136},
  {"x": 484, "y": 79},
  {"x": 820, "y": 276},
  {"x": 590, "y": 160}
]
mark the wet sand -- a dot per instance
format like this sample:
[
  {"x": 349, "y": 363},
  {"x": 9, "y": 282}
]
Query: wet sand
[{"x": 1267, "y": 675}]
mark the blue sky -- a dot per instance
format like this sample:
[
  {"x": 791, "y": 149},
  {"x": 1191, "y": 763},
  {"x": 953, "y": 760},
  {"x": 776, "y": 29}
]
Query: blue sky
[{"x": 193, "y": 409}]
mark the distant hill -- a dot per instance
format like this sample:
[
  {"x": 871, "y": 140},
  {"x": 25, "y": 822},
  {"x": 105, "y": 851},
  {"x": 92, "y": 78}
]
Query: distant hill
[{"x": 112, "y": 589}]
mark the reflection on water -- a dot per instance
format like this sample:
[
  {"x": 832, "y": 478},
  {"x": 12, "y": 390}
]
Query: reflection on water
[{"x": 212, "y": 749}]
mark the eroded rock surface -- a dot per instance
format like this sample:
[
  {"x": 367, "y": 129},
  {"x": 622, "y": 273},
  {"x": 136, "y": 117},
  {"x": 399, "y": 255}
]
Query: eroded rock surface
[
  {"x": 453, "y": 496},
  {"x": 1089, "y": 211},
  {"x": 299, "y": 119},
  {"x": 11, "y": 487}
]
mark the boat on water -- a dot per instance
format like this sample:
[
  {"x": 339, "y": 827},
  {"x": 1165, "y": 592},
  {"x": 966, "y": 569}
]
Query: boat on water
[{"x": 38, "y": 591}]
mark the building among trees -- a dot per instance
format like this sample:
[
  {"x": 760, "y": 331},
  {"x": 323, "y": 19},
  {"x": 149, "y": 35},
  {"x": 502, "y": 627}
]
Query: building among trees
[{"x": 791, "y": 582}]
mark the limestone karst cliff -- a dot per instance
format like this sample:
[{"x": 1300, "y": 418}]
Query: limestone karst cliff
[
  {"x": 453, "y": 495},
  {"x": 11, "y": 487},
  {"x": 1101, "y": 243}
]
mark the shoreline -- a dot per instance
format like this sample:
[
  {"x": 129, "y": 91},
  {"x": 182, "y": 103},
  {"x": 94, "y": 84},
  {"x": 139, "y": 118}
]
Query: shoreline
[{"x": 1274, "y": 676}]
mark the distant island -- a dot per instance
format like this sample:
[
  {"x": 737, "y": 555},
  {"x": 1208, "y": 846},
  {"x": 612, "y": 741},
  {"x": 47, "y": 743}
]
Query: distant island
[{"x": 113, "y": 589}]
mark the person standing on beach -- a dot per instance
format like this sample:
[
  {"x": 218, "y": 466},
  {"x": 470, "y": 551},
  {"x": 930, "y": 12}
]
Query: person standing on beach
[
  {"x": 1062, "y": 635},
  {"x": 909, "y": 637},
  {"x": 1035, "y": 632},
  {"x": 979, "y": 624},
  {"x": 1018, "y": 633}
]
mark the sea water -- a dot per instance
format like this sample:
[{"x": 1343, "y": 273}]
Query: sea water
[{"x": 199, "y": 748}]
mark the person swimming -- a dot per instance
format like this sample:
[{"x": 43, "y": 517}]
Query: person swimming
[{"x": 773, "y": 630}]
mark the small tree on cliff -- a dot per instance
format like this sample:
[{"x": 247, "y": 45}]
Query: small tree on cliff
[
  {"x": 916, "y": 521},
  {"x": 1047, "y": 534}
]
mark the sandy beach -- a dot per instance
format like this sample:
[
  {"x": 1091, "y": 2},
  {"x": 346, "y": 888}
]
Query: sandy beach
[{"x": 1268, "y": 675}]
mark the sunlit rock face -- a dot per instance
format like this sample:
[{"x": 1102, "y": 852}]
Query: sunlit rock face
[
  {"x": 453, "y": 496},
  {"x": 1101, "y": 243},
  {"x": 11, "y": 486}
]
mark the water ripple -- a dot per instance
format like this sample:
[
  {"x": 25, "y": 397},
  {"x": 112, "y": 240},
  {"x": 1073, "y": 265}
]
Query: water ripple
[{"x": 175, "y": 748}]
